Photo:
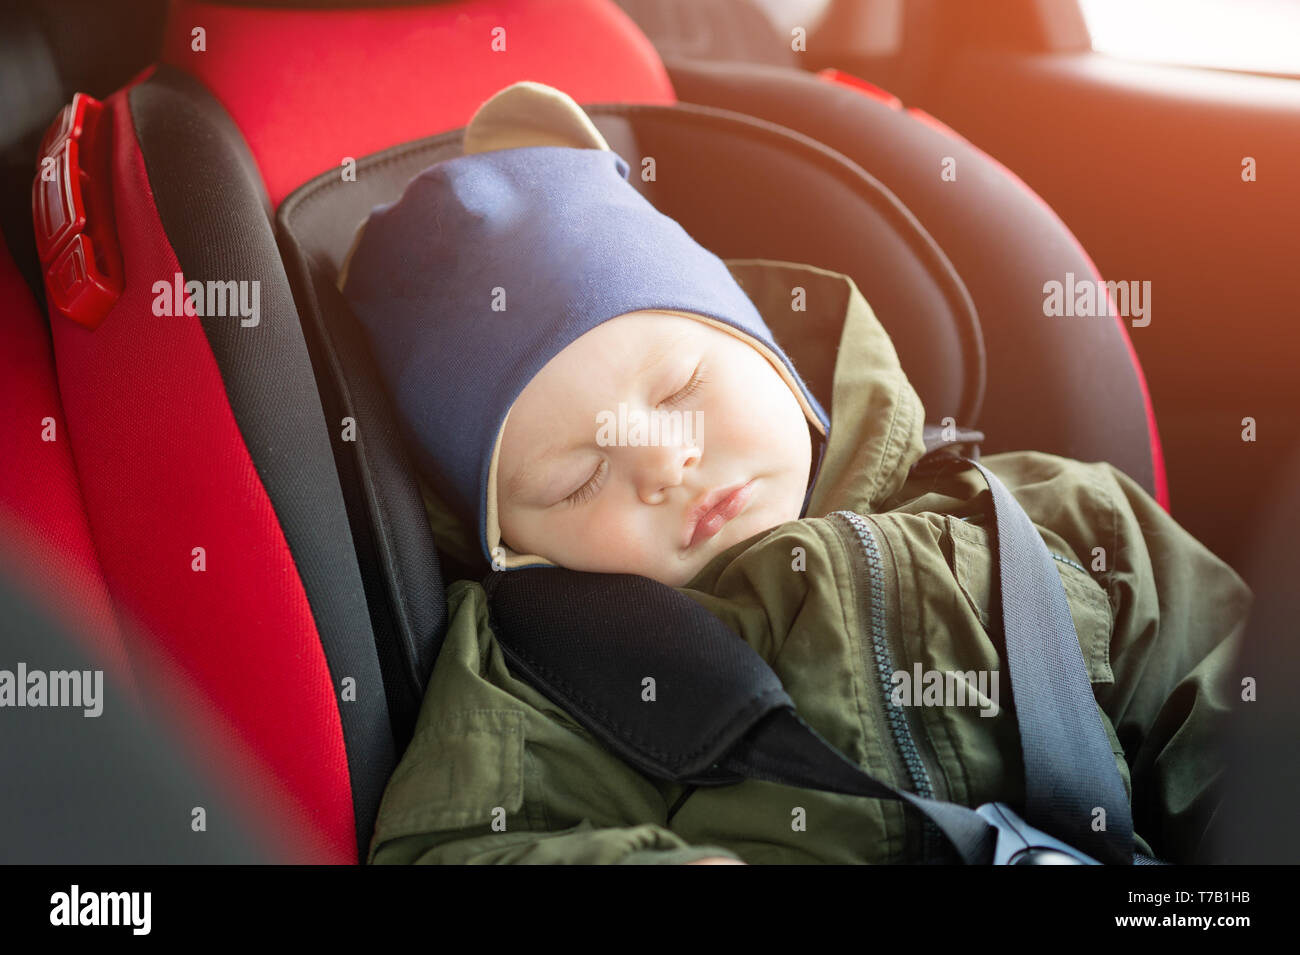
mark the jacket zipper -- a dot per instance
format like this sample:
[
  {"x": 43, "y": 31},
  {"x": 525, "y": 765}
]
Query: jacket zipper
[{"x": 881, "y": 663}]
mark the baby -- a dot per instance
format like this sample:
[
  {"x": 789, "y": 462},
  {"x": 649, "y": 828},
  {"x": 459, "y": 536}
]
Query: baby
[{"x": 585, "y": 386}]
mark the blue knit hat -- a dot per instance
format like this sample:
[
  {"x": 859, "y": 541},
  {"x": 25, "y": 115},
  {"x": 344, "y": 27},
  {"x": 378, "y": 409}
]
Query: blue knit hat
[{"x": 493, "y": 262}]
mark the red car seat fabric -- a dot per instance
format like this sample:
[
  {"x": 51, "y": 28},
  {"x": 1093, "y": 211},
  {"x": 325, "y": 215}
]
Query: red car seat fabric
[
  {"x": 42, "y": 514},
  {"x": 196, "y": 432},
  {"x": 307, "y": 88}
]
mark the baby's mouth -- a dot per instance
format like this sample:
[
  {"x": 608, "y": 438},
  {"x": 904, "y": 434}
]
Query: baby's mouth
[{"x": 716, "y": 510}]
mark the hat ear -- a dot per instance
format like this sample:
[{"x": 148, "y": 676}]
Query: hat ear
[{"x": 531, "y": 114}]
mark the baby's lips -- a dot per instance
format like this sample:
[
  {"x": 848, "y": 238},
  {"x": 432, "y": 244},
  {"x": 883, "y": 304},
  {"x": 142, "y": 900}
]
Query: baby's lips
[{"x": 719, "y": 508}]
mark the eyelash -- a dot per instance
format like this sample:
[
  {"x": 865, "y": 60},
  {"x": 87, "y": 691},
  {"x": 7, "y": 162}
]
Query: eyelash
[
  {"x": 588, "y": 490},
  {"x": 691, "y": 388}
]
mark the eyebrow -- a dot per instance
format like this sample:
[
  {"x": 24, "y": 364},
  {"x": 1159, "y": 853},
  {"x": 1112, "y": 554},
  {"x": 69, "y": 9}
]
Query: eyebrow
[{"x": 653, "y": 358}]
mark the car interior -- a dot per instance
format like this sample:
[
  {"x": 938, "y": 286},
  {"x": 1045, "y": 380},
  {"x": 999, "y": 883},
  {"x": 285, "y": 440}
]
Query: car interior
[{"x": 151, "y": 140}]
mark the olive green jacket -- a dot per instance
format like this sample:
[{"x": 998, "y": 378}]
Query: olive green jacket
[{"x": 887, "y": 572}]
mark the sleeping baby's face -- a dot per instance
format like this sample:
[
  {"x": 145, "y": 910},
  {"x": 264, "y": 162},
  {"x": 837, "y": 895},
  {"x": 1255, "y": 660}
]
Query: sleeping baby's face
[{"x": 588, "y": 493}]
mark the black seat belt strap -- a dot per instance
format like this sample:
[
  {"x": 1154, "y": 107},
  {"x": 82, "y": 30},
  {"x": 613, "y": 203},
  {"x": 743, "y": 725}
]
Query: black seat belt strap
[{"x": 1073, "y": 788}]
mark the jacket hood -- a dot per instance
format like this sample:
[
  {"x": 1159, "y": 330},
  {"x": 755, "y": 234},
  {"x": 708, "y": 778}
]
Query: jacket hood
[
  {"x": 844, "y": 356},
  {"x": 848, "y": 359}
]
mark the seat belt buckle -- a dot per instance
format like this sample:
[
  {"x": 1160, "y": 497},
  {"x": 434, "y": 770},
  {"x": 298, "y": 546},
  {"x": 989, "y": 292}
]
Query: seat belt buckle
[
  {"x": 72, "y": 211},
  {"x": 1019, "y": 843}
]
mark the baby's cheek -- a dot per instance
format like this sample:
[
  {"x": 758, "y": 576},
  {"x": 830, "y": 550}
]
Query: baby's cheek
[
  {"x": 604, "y": 538},
  {"x": 745, "y": 425},
  {"x": 533, "y": 534},
  {"x": 636, "y": 542},
  {"x": 640, "y": 542}
]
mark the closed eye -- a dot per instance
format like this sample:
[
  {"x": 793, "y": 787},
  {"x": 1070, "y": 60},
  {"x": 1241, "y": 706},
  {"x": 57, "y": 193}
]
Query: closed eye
[
  {"x": 590, "y": 489},
  {"x": 692, "y": 386}
]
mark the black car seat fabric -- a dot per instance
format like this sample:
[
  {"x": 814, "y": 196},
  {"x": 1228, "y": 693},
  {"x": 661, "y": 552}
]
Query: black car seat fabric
[
  {"x": 1263, "y": 769},
  {"x": 1068, "y": 386},
  {"x": 30, "y": 93}
]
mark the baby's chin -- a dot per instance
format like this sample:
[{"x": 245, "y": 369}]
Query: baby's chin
[{"x": 690, "y": 564}]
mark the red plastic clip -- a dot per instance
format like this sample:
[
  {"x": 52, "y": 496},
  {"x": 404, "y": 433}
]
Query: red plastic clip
[
  {"x": 832, "y": 75},
  {"x": 72, "y": 211}
]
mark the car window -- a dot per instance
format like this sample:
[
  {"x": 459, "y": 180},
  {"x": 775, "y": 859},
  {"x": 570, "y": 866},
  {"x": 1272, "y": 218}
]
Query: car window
[{"x": 1249, "y": 35}]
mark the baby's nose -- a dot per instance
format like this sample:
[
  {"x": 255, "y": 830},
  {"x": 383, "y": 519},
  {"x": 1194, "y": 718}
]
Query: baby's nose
[{"x": 661, "y": 467}]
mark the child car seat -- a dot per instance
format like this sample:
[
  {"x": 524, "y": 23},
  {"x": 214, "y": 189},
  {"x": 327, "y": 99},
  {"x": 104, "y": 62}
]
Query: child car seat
[{"x": 320, "y": 615}]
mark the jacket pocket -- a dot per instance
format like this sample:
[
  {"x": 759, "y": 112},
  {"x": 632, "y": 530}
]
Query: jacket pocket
[
  {"x": 972, "y": 563},
  {"x": 462, "y": 771}
]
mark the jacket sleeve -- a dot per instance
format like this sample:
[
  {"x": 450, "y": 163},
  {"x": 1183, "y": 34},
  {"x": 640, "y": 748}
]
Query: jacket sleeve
[
  {"x": 1179, "y": 615},
  {"x": 496, "y": 773}
]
